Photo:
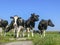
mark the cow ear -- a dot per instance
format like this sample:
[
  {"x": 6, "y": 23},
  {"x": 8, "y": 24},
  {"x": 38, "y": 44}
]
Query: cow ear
[
  {"x": 19, "y": 18},
  {"x": 49, "y": 20},
  {"x": 11, "y": 17},
  {"x": 37, "y": 15},
  {"x": 32, "y": 14}
]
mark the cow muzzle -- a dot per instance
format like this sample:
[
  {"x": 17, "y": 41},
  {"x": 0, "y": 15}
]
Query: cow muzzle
[{"x": 14, "y": 25}]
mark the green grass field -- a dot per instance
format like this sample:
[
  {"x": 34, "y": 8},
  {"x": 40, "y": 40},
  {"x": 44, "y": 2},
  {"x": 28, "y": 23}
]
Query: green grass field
[{"x": 51, "y": 38}]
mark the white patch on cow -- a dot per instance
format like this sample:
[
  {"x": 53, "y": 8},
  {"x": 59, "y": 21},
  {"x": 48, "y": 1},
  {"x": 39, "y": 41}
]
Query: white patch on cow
[
  {"x": 28, "y": 30},
  {"x": 44, "y": 33},
  {"x": 7, "y": 26},
  {"x": 1, "y": 31},
  {"x": 32, "y": 32},
  {"x": 19, "y": 29},
  {"x": 15, "y": 18},
  {"x": 18, "y": 32}
]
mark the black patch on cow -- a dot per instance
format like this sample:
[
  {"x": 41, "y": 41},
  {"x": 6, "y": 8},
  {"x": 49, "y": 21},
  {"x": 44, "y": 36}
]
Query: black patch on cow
[{"x": 3, "y": 23}]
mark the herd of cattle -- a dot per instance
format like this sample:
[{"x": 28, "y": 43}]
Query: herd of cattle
[{"x": 19, "y": 24}]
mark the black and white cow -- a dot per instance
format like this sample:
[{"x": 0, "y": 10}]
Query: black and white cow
[
  {"x": 17, "y": 24},
  {"x": 30, "y": 23},
  {"x": 3, "y": 24},
  {"x": 43, "y": 24}
]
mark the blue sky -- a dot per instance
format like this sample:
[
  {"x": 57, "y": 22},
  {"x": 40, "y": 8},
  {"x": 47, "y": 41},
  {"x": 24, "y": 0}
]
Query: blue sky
[{"x": 46, "y": 9}]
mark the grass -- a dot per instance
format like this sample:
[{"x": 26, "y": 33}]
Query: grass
[{"x": 51, "y": 38}]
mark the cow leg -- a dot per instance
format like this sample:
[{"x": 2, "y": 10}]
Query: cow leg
[
  {"x": 18, "y": 31},
  {"x": 15, "y": 32},
  {"x": 28, "y": 31},
  {"x": 44, "y": 33},
  {"x": 41, "y": 33},
  {"x": 22, "y": 29},
  {"x": 23, "y": 33},
  {"x": 1, "y": 32},
  {"x": 32, "y": 33},
  {"x": 4, "y": 33}
]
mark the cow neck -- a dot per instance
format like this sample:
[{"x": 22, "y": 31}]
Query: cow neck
[
  {"x": 46, "y": 21},
  {"x": 32, "y": 20}
]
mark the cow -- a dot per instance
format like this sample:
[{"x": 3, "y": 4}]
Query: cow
[
  {"x": 30, "y": 23},
  {"x": 3, "y": 24},
  {"x": 43, "y": 24},
  {"x": 17, "y": 24}
]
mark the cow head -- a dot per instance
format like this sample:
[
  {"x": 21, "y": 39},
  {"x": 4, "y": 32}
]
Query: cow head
[
  {"x": 50, "y": 23},
  {"x": 15, "y": 18},
  {"x": 34, "y": 17}
]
